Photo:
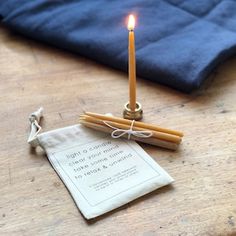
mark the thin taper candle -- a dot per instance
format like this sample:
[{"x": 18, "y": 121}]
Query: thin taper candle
[{"x": 132, "y": 64}]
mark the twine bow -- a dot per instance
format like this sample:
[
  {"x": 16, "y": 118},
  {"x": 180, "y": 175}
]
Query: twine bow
[{"x": 117, "y": 133}]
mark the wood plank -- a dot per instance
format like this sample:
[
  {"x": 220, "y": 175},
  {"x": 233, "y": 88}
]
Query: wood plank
[{"x": 34, "y": 201}]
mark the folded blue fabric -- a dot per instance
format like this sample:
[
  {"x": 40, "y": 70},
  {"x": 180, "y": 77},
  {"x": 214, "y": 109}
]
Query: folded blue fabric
[{"x": 178, "y": 42}]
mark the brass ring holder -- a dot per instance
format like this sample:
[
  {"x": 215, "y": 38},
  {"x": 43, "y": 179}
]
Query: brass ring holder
[{"x": 137, "y": 114}]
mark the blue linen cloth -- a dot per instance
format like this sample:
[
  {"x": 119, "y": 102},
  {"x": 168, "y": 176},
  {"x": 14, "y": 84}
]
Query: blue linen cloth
[{"x": 178, "y": 42}]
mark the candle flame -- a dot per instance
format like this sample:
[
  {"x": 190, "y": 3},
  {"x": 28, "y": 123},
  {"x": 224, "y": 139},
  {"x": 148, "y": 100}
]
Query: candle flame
[{"x": 131, "y": 22}]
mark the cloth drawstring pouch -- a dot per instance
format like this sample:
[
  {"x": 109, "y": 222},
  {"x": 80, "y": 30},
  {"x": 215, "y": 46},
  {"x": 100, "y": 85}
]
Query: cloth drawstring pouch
[{"x": 100, "y": 172}]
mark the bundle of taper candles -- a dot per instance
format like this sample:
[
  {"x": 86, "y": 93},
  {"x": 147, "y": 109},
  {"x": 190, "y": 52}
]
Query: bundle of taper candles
[
  {"x": 129, "y": 127},
  {"x": 159, "y": 136}
]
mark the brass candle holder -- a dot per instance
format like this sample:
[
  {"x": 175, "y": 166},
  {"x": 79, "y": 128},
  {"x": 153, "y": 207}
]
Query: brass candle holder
[{"x": 136, "y": 114}]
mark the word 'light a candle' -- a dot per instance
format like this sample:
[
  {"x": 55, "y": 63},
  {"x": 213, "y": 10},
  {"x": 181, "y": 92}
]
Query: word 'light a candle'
[{"x": 132, "y": 64}]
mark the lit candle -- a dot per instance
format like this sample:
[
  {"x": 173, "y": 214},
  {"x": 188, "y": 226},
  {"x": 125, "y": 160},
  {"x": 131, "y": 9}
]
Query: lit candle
[{"x": 132, "y": 64}]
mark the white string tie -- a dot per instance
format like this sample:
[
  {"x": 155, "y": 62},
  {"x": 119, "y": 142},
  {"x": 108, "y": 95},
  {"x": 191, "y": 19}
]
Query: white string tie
[
  {"x": 38, "y": 128},
  {"x": 34, "y": 119},
  {"x": 117, "y": 133}
]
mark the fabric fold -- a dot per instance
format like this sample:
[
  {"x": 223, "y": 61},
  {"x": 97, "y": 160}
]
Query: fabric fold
[{"x": 178, "y": 42}]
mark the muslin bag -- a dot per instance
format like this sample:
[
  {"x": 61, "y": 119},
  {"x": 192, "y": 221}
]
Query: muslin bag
[{"x": 101, "y": 173}]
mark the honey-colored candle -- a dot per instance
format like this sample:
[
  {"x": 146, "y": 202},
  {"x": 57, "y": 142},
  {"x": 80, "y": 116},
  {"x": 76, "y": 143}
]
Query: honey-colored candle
[{"x": 132, "y": 64}]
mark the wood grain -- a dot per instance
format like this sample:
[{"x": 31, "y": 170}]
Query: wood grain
[{"x": 33, "y": 201}]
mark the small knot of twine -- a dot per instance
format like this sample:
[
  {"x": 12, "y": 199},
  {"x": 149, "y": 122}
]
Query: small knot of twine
[
  {"x": 39, "y": 128},
  {"x": 117, "y": 133},
  {"x": 36, "y": 115},
  {"x": 34, "y": 119}
]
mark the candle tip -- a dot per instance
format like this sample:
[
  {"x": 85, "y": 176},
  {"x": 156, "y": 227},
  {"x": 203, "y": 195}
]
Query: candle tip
[{"x": 131, "y": 22}]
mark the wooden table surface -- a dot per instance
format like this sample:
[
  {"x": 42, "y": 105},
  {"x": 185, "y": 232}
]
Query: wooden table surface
[{"x": 34, "y": 201}]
